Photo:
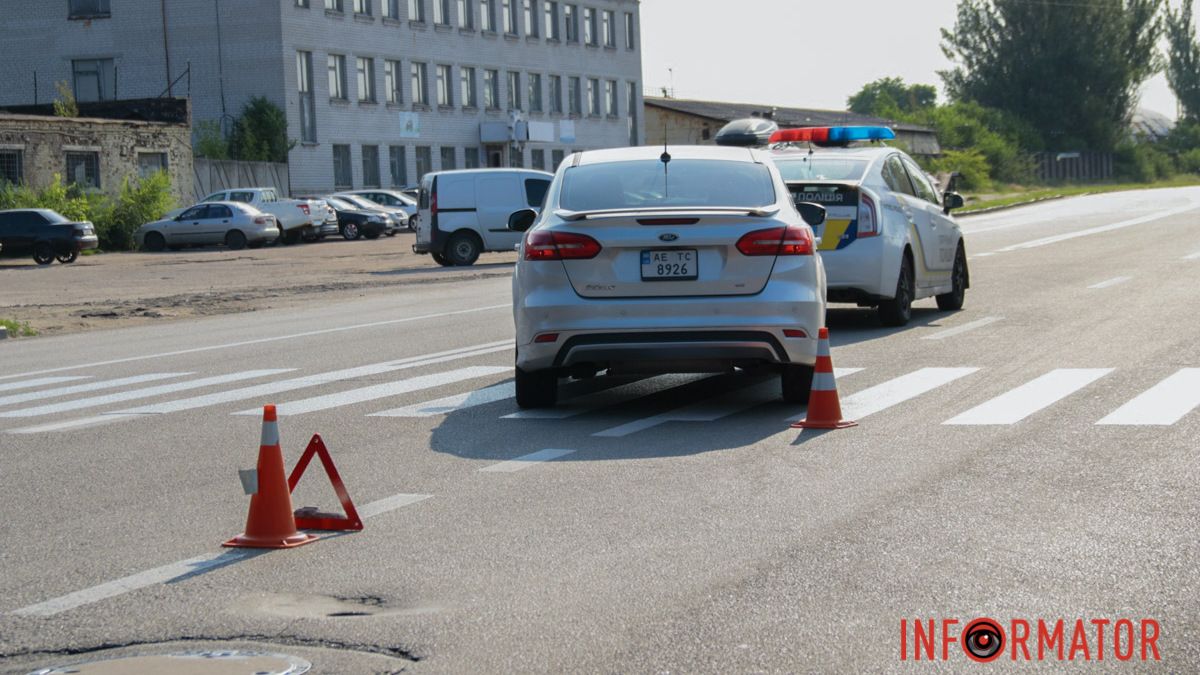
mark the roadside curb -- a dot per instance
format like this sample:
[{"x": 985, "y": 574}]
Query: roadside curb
[{"x": 1007, "y": 207}]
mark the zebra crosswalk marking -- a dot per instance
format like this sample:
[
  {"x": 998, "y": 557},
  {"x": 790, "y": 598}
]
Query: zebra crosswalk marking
[{"x": 1016, "y": 404}]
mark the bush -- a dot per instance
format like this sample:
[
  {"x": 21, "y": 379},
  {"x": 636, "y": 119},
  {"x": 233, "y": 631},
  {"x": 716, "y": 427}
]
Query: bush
[
  {"x": 1142, "y": 162},
  {"x": 1189, "y": 161},
  {"x": 971, "y": 164}
]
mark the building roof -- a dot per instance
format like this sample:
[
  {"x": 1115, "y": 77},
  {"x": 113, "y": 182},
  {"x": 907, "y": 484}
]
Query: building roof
[
  {"x": 1151, "y": 124},
  {"x": 720, "y": 111}
]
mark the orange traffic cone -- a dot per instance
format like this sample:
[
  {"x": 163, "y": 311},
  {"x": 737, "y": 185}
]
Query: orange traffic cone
[
  {"x": 824, "y": 410},
  {"x": 270, "y": 523}
]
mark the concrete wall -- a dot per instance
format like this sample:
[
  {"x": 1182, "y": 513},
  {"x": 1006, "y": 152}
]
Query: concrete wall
[
  {"x": 678, "y": 128},
  {"x": 44, "y": 142}
]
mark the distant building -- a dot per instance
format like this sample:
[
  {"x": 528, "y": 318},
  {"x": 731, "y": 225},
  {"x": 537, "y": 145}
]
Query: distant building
[
  {"x": 689, "y": 122},
  {"x": 1150, "y": 125}
]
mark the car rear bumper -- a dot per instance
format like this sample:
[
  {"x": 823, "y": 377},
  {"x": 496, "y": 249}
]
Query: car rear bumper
[{"x": 858, "y": 270}]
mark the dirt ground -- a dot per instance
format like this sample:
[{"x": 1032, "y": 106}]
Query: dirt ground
[{"x": 122, "y": 289}]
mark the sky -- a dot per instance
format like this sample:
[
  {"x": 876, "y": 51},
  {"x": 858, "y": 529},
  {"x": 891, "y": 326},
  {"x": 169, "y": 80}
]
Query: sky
[{"x": 804, "y": 53}]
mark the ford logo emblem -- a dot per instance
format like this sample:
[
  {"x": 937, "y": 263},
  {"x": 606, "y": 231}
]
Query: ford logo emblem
[{"x": 668, "y": 237}]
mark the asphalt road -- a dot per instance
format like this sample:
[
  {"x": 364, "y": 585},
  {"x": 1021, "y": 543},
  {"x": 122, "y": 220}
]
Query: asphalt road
[{"x": 1033, "y": 456}]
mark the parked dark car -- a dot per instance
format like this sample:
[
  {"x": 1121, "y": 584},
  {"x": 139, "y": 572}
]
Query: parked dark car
[
  {"x": 46, "y": 235},
  {"x": 355, "y": 222}
]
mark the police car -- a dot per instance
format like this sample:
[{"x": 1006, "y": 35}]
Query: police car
[{"x": 888, "y": 238}]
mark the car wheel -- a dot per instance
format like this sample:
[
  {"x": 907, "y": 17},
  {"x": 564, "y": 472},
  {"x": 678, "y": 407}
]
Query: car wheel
[
  {"x": 43, "y": 254},
  {"x": 392, "y": 233},
  {"x": 898, "y": 310},
  {"x": 235, "y": 240},
  {"x": 463, "y": 249},
  {"x": 371, "y": 235},
  {"x": 441, "y": 260},
  {"x": 309, "y": 236},
  {"x": 411, "y": 224},
  {"x": 291, "y": 237},
  {"x": 350, "y": 232},
  {"x": 536, "y": 389},
  {"x": 154, "y": 242},
  {"x": 797, "y": 383},
  {"x": 952, "y": 301},
  {"x": 67, "y": 258}
]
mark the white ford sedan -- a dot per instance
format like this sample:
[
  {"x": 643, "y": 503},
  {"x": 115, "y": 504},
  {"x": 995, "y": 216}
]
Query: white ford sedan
[{"x": 643, "y": 261}]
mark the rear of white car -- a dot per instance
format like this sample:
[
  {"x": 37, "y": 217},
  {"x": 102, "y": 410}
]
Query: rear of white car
[{"x": 697, "y": 264}]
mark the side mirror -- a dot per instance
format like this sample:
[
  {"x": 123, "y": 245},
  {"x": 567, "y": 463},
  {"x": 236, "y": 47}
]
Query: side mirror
[
  {"x": 522, "y": 220},
  {"x": 813, "y": 214},
  {"x": 951, "y": 201}
]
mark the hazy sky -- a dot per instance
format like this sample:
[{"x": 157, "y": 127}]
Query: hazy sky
[{"x": 804, "y": 53}]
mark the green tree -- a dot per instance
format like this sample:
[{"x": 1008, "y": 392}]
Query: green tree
[
  {"x": 65, "y": 105},
  {"x": 260, "y": 134},
  {"x": 1183, "y": 60},
  {"x": 890, "y": 97},
  {"x": 1071, "y": 69},
  {"x": 208, "y": 140}
]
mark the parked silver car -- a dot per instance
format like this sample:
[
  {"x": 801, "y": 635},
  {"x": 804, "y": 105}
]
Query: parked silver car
[
  {"x": 392, "y": 199},
  {"x": 397, "y": 217},
  {"x": 697, "y": 260},
  {"x": 234, "y": 224}
]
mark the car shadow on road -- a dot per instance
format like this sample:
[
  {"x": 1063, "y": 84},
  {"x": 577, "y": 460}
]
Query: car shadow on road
[
  {"x": 433, "y": 267},
  {"x": 851, "y": 325}
]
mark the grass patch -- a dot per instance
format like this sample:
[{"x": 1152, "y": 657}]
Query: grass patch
[
  {"x": 1029, "y": 195},
  {"x": 18, "y": 328}
]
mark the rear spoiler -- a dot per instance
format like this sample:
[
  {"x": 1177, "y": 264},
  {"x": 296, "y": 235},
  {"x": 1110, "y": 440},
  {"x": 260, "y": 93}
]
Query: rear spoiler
[{"x": 757, "y": 212}]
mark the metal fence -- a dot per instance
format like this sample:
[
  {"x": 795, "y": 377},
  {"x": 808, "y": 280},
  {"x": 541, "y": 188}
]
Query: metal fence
[
  {"x": 212, "y": 175},
  {"x": 1073, "y": 167}
]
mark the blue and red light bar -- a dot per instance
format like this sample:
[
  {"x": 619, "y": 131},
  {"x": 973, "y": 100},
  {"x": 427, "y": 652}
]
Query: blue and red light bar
[{"x": 832, "y": 135}]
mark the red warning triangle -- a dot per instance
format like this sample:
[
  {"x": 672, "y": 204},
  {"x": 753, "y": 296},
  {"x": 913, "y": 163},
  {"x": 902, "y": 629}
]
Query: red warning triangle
[{"x": 309, "y": 518}]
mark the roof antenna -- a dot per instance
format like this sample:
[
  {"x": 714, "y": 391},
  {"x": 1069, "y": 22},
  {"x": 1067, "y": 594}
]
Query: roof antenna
[{"x": 665, "y": 158}]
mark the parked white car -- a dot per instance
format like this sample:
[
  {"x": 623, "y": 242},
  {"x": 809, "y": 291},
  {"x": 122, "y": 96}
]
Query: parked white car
[
  {"x": 464, "y": 213},
  {"x": 234, "y": 224},
  {"x": 297, "y": 218}
]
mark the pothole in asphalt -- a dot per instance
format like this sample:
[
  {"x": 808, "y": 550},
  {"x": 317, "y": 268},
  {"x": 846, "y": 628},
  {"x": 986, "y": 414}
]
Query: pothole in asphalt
[
  {"x": 300, "y": 606},
  {"x": 192, "y": 662}
]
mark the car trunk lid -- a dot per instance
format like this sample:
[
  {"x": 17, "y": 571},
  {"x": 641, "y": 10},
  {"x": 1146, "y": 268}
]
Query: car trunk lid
[{"x": 840, "y": 200}]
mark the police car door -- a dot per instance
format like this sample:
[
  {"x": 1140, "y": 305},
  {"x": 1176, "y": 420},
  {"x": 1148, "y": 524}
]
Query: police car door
[{"x": 923, "y": 229}]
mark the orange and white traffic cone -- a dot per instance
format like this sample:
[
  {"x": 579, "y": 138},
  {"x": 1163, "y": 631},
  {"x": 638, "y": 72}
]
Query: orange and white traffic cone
[
  {"x": 271, "y": 523},
  {"x": 824, "y": 409}
]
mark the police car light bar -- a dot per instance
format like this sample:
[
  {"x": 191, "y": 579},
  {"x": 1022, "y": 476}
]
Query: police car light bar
[{"x": 832, "y": 135}]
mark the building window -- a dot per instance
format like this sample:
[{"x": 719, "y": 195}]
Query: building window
[
  {"x": 302, "y": 3},
  {"x": 448, "y": 160},
  {"x": 441, "y": 12},
  {"x": 466, "y": 18},
  {"x": 510, "y": 16},
  {"x": 537, "y": 159},
  {"x": 516, "y": 158},
  {"x": 95, "y": 79},
  {"x": 12, "y": 167},
  {"x": 535, "y": 92},
  {"x": 491, "y": 89},
  {"x": 556, "y": 158},
  {"x": 337, "y": 77},
  {"x": 87, "y": 9},
  {"x": 420, "y": 95},
  {"x": 471, "y": 158},
  {"x": 531, "y": 18},
  {"x": 424, "y": 161},
  {"x": 630, "y": 35},
  {"x": 444, "y": 87},
  {"x": 514, "y": 90},
  {"x": 83, "y": 168},
  {"x": 416, "y": 10},
  {"x": 391, "y": 9},
  {"x": 593, "y": 94},
  {"x": 366, "y": 79},
  {"x": 362, "y": 7},
  {"x": 574, "y": 99},
  {"x": 468, "y": 88},
  {"x": 590, "y": 35},
  {"x": 552, "y": 32},
  {"x": 342, "y": 177},
  {"x": 370, "y": 162},
  {"x": 610, "y": 29},
  {"x": 631, "y": 94},
  {"x": 556, "y": 94},
  {"x": 334, "y": 5},
  {"x": 398, "y": 163},
  {"x": 308, "y": 104},
  {"x": 610, "y": 98},
  {"x": 391, "y": 81},
  {"x": 487, "y": 16},
  {"x": 571, "y": 17}
]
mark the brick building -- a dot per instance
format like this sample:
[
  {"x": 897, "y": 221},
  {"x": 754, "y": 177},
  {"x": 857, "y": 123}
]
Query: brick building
[{"x": 376, "y": 92}]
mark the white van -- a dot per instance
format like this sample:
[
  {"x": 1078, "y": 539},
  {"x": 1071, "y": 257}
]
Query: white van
[{"x": 463, "y": 213}]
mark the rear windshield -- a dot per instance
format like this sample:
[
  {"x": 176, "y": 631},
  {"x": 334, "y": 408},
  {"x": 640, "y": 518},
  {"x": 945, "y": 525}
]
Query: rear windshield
[
  {"x": 821, "y": 168},
  {"x": 53, "y": 217},
  {"x": 681, "y": 182}
]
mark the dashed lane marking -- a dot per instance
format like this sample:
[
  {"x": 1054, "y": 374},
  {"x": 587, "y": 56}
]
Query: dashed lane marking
[
  {"x": 1016, "y": 404},
  {"x": 959, "y": 330},
  {"x": 449, "y": 404},
  {"x": 1193, "y": 256},
  {"x": 526, "y": 461},
  {"x": 42, "y": 381},
  {"x": 1109, "y": 283},
  {"x": 1066, "y": 236},
  {"x": 1163, "y": 404}
]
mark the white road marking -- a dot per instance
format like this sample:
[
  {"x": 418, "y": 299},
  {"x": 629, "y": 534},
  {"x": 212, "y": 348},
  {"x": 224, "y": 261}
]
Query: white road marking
[
  {"x": 382, "y": 390},
  {"x": 147, "y": 392},
  {"x": 243, "y": 343},
  {"x": 1066, "y": 236},
  {"x": 984, "y": 255},
  {"x": 1163, "y": 404},
  {"x": 1193, "y": 256},
  {"x": 449, "y": 404},
  {"x": 895, "y": 391},
  {"x": 1110, "y": 282},
  {"x": 958, "y": 330},
  {"x": 67, "y": 425},
  {"x": 165, "y": 573},
  {"x": 526, "y": 461},
  {"x": 84, "y": 388},
  {"x": 42, "y": 381},
  {"x": 1021, "y": 402},
  {"x": 587, "y": 402}
]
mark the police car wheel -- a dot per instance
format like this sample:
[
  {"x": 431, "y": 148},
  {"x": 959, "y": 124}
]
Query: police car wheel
[
  {"x": 797, "y": 383},
  {"x": 952, "y": 301},
  {"x": 897, "y": 311}
]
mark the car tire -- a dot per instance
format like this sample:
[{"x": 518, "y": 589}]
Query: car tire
[
  {"x": 953, "y": 301},
  {"x": 350, "y": 232},
  {"x": 371, "y": 235},
  {"x": 441, "y": 260},
  {"x": 797, "y": 382},
  {"x": 536, "y": 389},
  {"x": 411, "y": 224},
  {"x": 292, "y": 237},
  {"x": 43, "y": 253},
  {"x": 897, "y": 311},
  {"x": 392, "y": 233},
  {"x": 463, "y": 249},
  {"x": 154, "y": 242},
  {"x": 235, "y": 240},
  {"x": 309, "y": 236},
  {"x": 67, "y": 258}
]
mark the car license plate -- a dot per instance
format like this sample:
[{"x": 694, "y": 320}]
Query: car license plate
[{"x": 670, "y": 265}]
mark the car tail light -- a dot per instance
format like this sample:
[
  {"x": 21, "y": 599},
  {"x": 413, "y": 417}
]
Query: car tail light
[
  {"x": 868, "y": 223},
  {"x": 790, "y": 240},
  {"x": 433, "y": 204},
  {"x": 668, "y": 221},
  {"x": 261, "y": 220},
  {"x": 304, "y": 208},
  {"x": 546, "y": 337},
  {"x": 794, "y": 333},
  {"x": 545, "y": 245}
]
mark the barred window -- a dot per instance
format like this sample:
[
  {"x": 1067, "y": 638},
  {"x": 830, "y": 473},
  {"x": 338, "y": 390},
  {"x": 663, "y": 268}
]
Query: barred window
[
  {"x": 83, "y": 168},
  {"x": 12, "y": 168}
]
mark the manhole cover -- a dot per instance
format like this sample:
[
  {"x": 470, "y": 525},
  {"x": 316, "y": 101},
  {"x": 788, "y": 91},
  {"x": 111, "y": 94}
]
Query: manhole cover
[{"x": 188, "y": 663}]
